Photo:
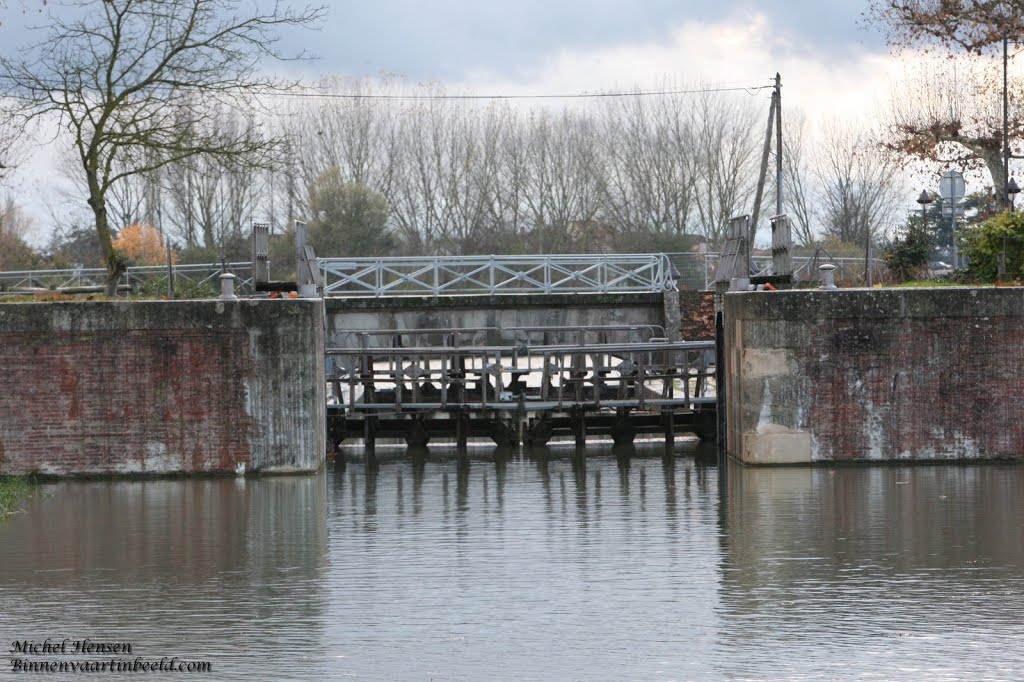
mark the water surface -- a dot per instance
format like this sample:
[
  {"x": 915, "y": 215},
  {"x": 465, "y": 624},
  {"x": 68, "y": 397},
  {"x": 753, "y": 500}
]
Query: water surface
[{"x": 537, "y": 568}]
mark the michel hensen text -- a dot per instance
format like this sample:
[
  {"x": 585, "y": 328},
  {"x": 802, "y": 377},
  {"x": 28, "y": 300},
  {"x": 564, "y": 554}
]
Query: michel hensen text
[{"x": 69, "y": 646}]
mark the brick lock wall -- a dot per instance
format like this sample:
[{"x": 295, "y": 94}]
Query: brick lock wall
[
  {"x": 888, "y": 375},
  {"x": 131, "y": 388}
]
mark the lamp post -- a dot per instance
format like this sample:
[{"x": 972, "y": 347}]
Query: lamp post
[
  {"x": 1012, "y": 190},
  {"x": 924, "y": 200}
]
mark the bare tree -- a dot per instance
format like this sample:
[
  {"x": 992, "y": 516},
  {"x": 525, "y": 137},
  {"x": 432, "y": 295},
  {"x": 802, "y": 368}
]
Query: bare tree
[
  {"x": 14, "y": 221},
  {"x": 13, "y": 140},
  {"x": 958, "y": 115},
  {"x": 564, "y": 176},
  {"x": 949, "y": 111},
  {"x": 116, "y": 78},
  {"x": 726, "y": 143},
  {"x": 650, "y": 179},
  {"x": 859, "y": 189},
  {"x": 797, "y": 181},
  {"x": 973, "y": 25},
  {"x": 15, "y": 226}
]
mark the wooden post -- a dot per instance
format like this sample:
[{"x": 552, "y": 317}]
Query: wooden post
[
  {"x": 461, "y": 435},
  {"x": 579, "y": 424}
]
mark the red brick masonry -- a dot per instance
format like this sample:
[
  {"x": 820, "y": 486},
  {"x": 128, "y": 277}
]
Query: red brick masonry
[
  {"x": 149, "y": 388},
  {"x": 875, "y": 375}
]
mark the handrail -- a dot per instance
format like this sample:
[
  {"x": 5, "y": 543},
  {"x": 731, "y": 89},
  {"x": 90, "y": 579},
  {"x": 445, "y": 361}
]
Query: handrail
[
  {"x": 194, "y": 273},
  {"x": 496, "y": 275}
]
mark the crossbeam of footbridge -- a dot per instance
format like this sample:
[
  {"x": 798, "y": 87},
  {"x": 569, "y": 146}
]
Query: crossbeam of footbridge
[{"x": 497, "y": 275}]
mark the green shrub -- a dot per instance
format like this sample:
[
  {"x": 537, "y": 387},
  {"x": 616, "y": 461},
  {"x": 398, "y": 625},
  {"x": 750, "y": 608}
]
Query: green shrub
[
  {"x": 907, "y": 253},
  {"x": 984, "y": 243}
]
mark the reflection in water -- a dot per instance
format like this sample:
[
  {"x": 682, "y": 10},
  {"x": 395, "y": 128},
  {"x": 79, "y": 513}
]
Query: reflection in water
[
  {"x": 524, "y": 567},
  {"x": 204, "y": 569},
  {"x": 910, "y": 573},
  {"x": 625, "y": 565}
]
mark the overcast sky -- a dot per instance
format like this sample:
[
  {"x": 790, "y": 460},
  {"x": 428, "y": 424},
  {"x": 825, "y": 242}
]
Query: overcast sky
[
  {"x": 832, "y": 65},
  {"x": 455, "y": 40},
  {"x": 830, "y": 62}
]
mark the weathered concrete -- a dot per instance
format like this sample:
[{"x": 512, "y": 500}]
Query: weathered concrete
[
  {"x": 869, "y": 374},
  {"x": 161, "y": 387},
  {"x": 345, "y": 315}
]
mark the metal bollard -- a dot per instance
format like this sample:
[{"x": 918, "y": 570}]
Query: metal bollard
[
  {"x": 739, "y": 284},
  {"x": 227, "y": 287},
  {"x": 828, "y": 276}
]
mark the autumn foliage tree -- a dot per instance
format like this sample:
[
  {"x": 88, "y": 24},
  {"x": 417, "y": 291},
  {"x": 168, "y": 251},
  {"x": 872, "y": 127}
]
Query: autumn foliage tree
[
  {"x": 141, "y": 245},
  {"x": 973, "y": 25},
  {"x": 953, "y": 114}
]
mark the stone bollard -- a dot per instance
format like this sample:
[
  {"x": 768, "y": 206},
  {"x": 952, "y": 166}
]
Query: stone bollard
[
  {"x": 828, "y": 276},
  {"x": 227, "y": 287}
]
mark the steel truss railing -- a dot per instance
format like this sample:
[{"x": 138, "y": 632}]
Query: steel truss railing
[
  {"x": 495, "y": 275},
  {"x": 185, "y": 275},
  {"x": 697, "y": 270}
]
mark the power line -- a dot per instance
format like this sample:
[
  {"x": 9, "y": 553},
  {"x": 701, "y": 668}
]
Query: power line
[
  {"x": 311, "y": 93},
  {"x": 750, "y": 89}
]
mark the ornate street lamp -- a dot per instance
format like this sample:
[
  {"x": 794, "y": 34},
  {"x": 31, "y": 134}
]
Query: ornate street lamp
[{"x": 924, "y": 200}]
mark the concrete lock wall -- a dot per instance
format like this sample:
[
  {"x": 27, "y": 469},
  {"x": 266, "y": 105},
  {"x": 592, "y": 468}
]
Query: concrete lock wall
[
  {"x": 345, "y": 316},
  {"x": 891, "y": 374},
  {"x": 161, "y": 387}
]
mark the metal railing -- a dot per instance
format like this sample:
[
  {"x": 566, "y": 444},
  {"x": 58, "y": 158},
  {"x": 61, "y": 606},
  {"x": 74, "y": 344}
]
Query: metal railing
[
  {"x": 697, "y": 270},
  {"x": 637, "y": 376},
  {"x": 458, "y": 275},
  {"x": 189, "y": 275},
  {"x": 495, "y": 275}
]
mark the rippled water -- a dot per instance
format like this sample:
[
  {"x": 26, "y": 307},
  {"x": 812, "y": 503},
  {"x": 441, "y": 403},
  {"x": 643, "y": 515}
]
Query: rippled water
[{"x": 536, "y": 568}]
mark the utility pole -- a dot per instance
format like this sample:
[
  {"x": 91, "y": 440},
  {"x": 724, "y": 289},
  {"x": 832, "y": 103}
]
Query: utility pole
[
  {"x": 778, "y": 144},
  {"x": 774, "y": 119}
]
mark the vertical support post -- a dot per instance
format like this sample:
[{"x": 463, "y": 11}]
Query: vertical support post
[
  {"x": 170, "y": 272},
  {"x": 765, "y": 153},
  {"x": 720, "y": 379},
  {"x": 260, "y": 253},
  {"x": 670, "y": 431},
  {"x": 782, "y": 247},
  {"x": 307, "y": 273},
  {"x": 300, "y": 243},
  {"x": 1001, "y": 187},
  {"x": 579, "y": 428},
  {"x": 461, "y": 435},
  {"x": 867, "y": 256},
  {"x": 779, "y": 206},
  {"x": 370, "y": 439}
]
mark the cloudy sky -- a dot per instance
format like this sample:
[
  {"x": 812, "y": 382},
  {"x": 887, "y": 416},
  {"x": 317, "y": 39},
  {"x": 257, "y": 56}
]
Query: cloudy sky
[
  {"x": 452, "y": 40},
  {"x": 832, "y": 65},
  {"x": 830, "y": 62}
]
